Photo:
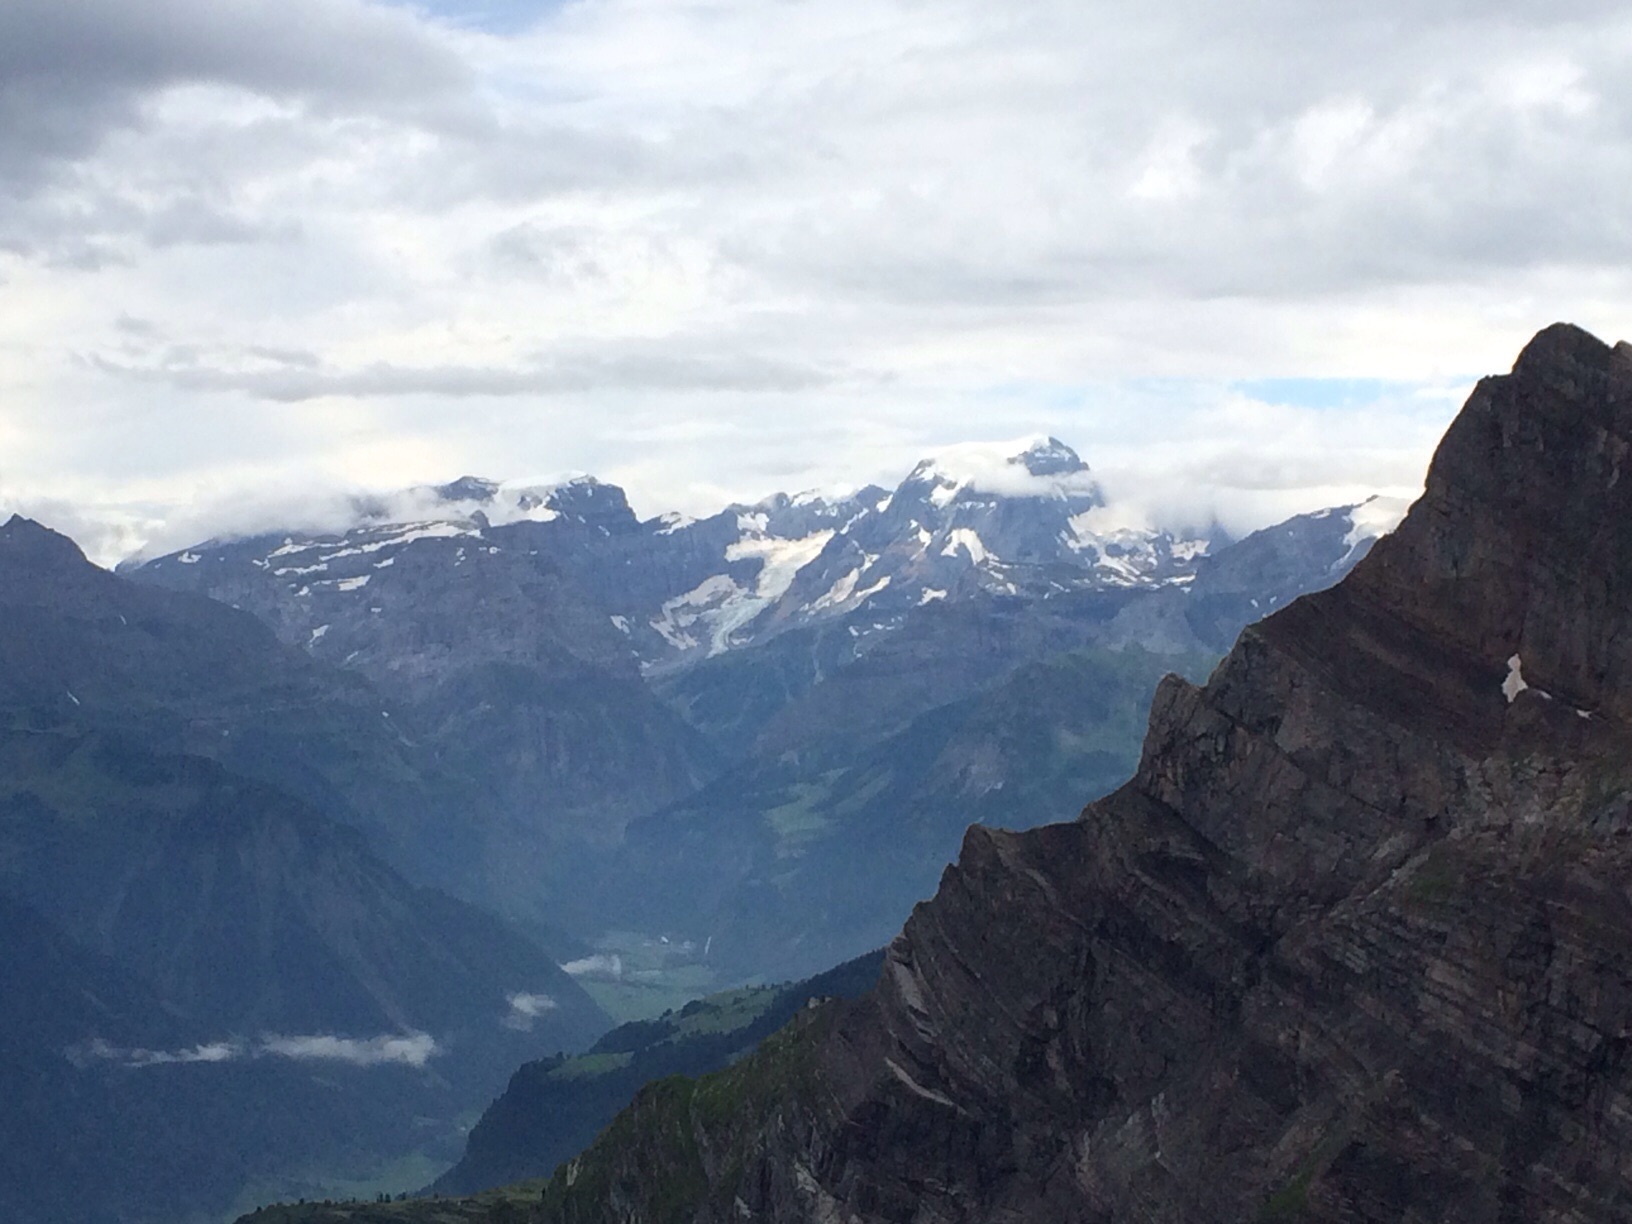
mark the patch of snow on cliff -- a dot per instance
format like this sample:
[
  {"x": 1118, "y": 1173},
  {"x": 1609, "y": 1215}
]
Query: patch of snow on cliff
[
  {"x": 964, "y": 538},
  {"x": 874, "y": 589},
  {"x": 405, "y": 535},
  {"x": 781, "y": 560},
  {"x": 1189, "y": 550},
  {"x": 716, "y": 607},
  {"x": 1514, "y": 684},
  {"x": 838, "y": 593},
  {"x": 684, "y": 612},
  {"x": 423, "y": 531},
  {"x": 1371, "y": 520},
  {"x": 1119, "y": 568}
]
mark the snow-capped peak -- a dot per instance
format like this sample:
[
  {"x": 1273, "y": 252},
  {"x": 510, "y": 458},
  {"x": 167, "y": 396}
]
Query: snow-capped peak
[
  {"x": 466, "y": 489},
  {"x": 1048, "y": 456},
  {"x": 1375, "y": 517},
  {"x": 538, "y": 499},
  {"x": 1369, "y": 521},
  {"x": 1035, "y": 466}
]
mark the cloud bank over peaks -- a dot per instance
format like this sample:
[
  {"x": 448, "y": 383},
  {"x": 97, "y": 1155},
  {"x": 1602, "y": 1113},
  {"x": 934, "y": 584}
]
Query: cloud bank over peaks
[
  {"x": 706, "y": 250},
  {"x": 1229, "y": 459}
]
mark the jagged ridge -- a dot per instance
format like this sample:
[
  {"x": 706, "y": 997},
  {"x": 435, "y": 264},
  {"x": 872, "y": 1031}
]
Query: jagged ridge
[{"x": 1352, "y": 945}]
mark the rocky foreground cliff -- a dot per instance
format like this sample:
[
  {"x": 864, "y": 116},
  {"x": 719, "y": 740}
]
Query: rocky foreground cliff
[{"x": 1354, "y": 944}]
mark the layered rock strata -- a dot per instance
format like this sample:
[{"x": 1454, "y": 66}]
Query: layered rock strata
[{"x": 1354, "y": 944}]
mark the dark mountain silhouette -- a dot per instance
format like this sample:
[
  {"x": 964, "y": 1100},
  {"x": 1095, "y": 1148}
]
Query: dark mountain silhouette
[{"x": 211, "y": 978}]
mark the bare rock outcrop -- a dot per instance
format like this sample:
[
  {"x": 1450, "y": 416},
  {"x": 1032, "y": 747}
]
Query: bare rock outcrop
[{"x": 1355, "y": 943}]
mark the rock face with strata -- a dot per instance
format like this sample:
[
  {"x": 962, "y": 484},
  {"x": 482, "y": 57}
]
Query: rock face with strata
[{"x": 1354, "y": 944}]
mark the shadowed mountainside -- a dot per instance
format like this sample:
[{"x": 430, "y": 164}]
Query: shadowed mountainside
[
  {"x": 1353, "y": 945},
  {"x": 554, "y": 1108},
  {"x": 209, "y": 978}
]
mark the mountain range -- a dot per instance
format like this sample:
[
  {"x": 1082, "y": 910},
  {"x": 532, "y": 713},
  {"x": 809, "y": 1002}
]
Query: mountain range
[
  {"x": 298, "y": 830},
  {"x": 615, "y": 706},
  {"x": 1353, "y": 943}
]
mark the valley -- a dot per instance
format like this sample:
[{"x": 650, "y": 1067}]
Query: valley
[
  {"x": 620, "y": 612},
  {"x": 345, "y": 806}
]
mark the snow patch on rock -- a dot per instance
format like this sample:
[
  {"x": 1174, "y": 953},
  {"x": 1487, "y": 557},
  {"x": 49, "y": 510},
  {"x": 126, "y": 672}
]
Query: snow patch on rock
[
  {"x": 964, "y": 538},
  {"x": 1515, "y": 683}
]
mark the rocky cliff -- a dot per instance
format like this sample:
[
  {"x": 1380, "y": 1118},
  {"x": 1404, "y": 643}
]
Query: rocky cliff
[{"x": 1355, "y": 943}]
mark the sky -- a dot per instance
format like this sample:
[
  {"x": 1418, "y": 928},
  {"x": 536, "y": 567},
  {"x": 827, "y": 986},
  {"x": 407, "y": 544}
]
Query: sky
[{"x": 1248, "y": 259}]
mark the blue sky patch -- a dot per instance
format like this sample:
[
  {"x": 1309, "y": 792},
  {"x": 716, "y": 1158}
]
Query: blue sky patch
[{"x": 494, "y": 16}]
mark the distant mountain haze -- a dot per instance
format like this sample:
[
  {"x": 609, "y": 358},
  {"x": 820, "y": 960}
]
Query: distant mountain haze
[
  {"x": 329, "y": 813},
  {"x": 571, "y": 669}
]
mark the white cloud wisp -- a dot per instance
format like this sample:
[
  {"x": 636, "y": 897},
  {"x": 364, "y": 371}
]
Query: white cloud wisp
[{"x": 389, "y": 1049}]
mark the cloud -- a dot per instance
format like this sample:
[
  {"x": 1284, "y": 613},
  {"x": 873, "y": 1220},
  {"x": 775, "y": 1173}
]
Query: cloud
[
  {"x": 710, "y": 250},
  {"x": 401, "y": 1049},
  {"x": 1246, "y": 461},
  {"x": 1000, "y": 468},
  {"x": 77, "y": 71},
  {"x": 98, "y": 1050},
  {"x": 406, "y": 1049},
  {"x": 277, "y": 376},
  {"x": 1178, "y": 456},
  {"x": 525, "y": 1009},
  {"x": 600, "y": 965}
]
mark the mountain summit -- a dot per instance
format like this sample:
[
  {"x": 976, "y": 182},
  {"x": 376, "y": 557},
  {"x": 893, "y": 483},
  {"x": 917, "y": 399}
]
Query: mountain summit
[
  {"x": 1352, "y": 945},
  {"x": 1028, "y": 467},
  {"x": 1023, "y": 519}
]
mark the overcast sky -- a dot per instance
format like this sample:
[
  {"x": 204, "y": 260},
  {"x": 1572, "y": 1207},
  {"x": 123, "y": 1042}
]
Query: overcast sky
[{"x": 1246, "y": 257}]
